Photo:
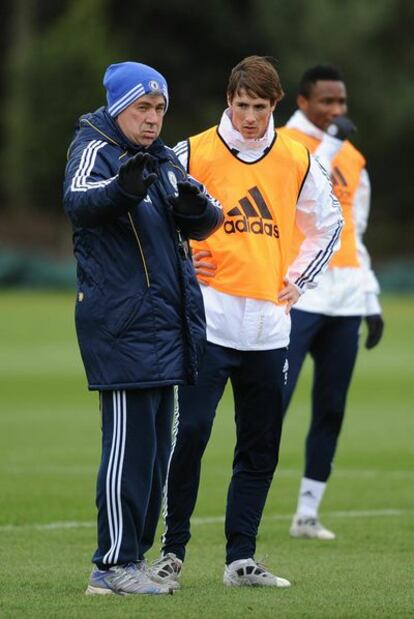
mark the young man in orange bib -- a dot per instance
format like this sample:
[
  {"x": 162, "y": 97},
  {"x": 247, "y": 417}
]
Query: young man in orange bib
[
  {"x": 267, "y": 184},
  {"x": 326, "y": 323}
]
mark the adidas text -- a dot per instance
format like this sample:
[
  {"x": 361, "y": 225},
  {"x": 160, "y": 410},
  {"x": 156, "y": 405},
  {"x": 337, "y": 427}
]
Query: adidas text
[{"x": 231, "y": 226}]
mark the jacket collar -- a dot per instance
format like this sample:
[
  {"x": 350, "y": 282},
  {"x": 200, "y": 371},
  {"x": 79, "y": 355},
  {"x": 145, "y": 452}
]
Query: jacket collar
[{"x": 235, "y": 140}]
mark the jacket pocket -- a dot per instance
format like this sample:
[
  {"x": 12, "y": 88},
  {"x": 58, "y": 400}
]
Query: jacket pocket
[{"x": 124, "y": 314}]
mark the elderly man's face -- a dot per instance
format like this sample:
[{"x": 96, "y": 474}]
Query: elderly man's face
[{"x": 141, "y": 122}]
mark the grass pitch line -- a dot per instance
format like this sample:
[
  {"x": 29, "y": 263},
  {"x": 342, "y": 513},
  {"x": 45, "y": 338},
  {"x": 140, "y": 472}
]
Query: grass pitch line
[
  {"x": 48, "y": 526},
  {"x": 51, "y": 526},
  {"x": 355, "y": 473},
  {"x": 368, "y": 513},
  {"x": 69, "y": 469}
]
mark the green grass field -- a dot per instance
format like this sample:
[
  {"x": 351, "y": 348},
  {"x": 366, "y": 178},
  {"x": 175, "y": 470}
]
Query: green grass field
[{"x": 49, "y": 450}]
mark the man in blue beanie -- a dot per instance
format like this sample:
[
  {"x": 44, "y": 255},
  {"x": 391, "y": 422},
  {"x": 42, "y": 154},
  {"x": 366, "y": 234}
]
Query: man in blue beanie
[{"x": 139, "y": 312}]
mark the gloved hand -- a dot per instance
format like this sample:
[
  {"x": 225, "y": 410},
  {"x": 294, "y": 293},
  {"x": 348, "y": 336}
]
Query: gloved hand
[
  {"x": 341, "y": 128},
  {"x": 132, "y": 177},
  {"x": 375, "y": 326},
  {"x": 190, "y": 200}
]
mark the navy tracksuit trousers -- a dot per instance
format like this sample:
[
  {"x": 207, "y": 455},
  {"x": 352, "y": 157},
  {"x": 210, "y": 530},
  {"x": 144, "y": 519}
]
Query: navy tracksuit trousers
[
  {"x": 136, "y": 444},
  {"x": 332, "y": 341},
  {"x": 257, "y": 380}
]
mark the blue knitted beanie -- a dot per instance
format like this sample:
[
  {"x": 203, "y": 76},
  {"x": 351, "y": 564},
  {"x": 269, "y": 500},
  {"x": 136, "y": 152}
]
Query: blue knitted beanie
[{"x": 127, "y": 81}]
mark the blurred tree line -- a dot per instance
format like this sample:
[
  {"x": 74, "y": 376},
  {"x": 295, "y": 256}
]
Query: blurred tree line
[{"x": 55, "y": 53}]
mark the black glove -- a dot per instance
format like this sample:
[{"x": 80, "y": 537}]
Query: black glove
[
  {"x": 341, "y": 128},
  {"x": 190, "y": 200},
  {"x": 132, "y": 176},
  {"x": 375, "y": 326}
]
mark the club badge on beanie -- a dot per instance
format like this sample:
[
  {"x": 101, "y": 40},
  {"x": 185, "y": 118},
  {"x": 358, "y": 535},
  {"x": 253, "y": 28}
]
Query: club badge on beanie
[{"x": 127, "y": 81}]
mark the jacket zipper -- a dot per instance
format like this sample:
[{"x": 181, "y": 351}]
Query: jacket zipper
[{"x": 140, "y": 250}]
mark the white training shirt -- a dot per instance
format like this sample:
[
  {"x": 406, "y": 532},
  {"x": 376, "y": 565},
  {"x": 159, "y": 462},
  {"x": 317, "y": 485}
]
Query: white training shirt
[
  {"x": 345, "y": 291},
  {"x": 252, "y": 324}
]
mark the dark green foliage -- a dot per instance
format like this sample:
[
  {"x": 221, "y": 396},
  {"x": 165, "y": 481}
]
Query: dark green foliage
[
  {"x": 57, "y": 78},
  {"x": 54, "y": 73}
]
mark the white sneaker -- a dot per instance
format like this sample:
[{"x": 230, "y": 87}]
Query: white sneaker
[
  {"x": 310, "y": 528},
  {"x": 250, "y": 573},
  {"x": 166, "y": 570}
]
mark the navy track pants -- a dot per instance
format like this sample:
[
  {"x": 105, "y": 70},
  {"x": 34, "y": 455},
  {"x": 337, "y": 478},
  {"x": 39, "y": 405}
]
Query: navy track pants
[
  {"x": 257, "y": 380},
  {"x": 136, "y": 444},
  {"x": 332, "y": 342}
]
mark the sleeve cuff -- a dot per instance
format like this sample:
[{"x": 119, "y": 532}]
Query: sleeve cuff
[{"x": 372, "y": 305}]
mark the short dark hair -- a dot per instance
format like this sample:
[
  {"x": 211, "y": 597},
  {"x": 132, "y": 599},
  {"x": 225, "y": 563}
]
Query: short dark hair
[
  {"x": 258, "y": 77},
  {"x": 324, "y": 72}
]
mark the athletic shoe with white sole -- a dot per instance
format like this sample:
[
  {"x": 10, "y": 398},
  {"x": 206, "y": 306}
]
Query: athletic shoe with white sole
[
  {"x": 250, "y": 573},
  {"x": 166, "y": 570},
  {"x": 310, "y": 528},
  {"x": 123, "y": 580}
]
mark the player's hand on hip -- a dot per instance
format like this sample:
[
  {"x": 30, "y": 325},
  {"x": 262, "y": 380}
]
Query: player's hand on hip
[
  {"x": 289, "y": 295},
  {"x": 203, "y": 268}
]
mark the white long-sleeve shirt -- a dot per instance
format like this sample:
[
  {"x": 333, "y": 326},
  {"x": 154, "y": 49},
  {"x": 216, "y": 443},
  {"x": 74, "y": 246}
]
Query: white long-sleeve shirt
[
  {"x": 252, "y": 324},
  {"x": 345, "y": 291}
]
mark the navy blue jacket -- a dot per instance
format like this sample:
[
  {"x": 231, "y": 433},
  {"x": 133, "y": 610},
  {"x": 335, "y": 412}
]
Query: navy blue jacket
[{"x": 139, "y": 312}]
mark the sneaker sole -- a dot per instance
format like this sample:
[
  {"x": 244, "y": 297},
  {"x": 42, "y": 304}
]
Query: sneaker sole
[
  {"x": 247, "y": 583},
  {"x": 101, "y": 591},
  {"x": 172, "y": 584},
  {"x": 297, "y": 535}
]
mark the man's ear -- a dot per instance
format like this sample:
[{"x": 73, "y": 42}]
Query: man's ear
[
  {"x": 228, "y": 101},
  {"x": 302, "y": 102}
]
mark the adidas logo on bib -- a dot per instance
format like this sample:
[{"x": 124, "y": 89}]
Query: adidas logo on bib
[{"x": 253, "y": 219}]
